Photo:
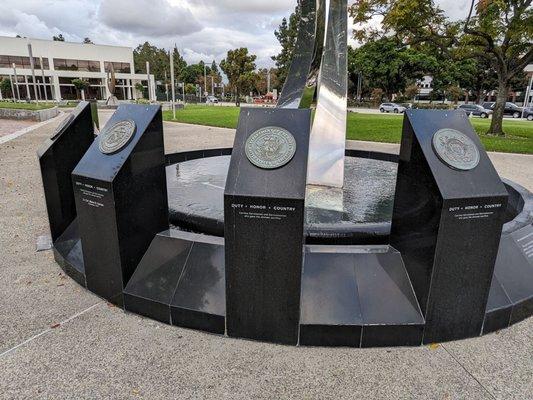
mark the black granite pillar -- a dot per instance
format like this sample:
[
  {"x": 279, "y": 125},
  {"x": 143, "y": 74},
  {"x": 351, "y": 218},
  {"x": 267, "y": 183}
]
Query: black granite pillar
[
  {"x": 447, "y": 221},
  {"x": 121, "y": 197},
  {"x": 58, "y": 157},
  {"x": 264, "y": 217}
]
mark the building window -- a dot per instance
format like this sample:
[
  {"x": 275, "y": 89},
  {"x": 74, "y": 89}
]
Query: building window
[
  {"x": 62, "y": 64},
  {"x": 22, "y": 62},
  {"x": 119, "y": 67}
]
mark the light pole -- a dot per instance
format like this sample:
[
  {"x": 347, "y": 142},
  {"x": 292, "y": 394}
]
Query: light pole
[
  {"x": 32, "y": 66},
  {"x": 166, "y": 80},
  {"x": 182, "y": 86},
  {"x": 44, "y": 79},
  {"x": 12, "y": 87},
  {"x": 172, "y": 84},
  {"x": 149, "y": 86},
  {"x": 205, "y": 80},
  {"x": 526, "y": 99},
  {"x": 16, "y": 81},
  {"x": 268, "y": 81}
]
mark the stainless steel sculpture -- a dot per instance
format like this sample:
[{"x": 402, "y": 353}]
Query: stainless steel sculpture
[
  {"x": 303, "y": 73},
  {"x": 328, "y": 135}
]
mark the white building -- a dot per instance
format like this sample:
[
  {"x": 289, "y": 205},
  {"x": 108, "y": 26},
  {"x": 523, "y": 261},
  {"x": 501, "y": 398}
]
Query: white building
[
  {"x": 425, "y": 85},
  {"x": 63, "y": 62}
]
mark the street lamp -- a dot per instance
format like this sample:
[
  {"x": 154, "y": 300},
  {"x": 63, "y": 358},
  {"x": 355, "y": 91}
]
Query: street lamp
[{"x": 172, "y": 84}]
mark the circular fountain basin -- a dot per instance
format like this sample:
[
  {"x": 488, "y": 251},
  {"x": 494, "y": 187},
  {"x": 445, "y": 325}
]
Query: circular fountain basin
[{"x": 359, "y": 213}]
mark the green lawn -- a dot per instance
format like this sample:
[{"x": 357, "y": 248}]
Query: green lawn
[
  {"x": 371, "y": 127},
  {"x": 26, "y": 106},
  {"x": 224, "y": 117}
]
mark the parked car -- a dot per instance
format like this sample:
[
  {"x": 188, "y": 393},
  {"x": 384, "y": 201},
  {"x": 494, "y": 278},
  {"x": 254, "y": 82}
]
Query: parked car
[
  {"x": 528, "y": 113},
  {"x": 211, "y": 100},
  {"x": 475, "y": 109},
  {"x": 488, "y": 105},
  {"x": 510, "y": 109},
  {"x": 391, "y": 107}
]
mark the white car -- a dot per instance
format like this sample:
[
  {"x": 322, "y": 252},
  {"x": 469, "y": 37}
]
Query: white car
[
  {"x": 211, "y": 100},
  {"x": 391, "y": 107}
]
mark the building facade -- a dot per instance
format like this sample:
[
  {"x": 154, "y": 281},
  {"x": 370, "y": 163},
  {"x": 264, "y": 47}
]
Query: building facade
[{"x": 62, "y": 62}]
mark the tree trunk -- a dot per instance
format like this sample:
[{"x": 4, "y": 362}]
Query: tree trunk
[
  {"x": 478, "y": 95},
  {"x": 238, "y": 98},
  {"x": 496, "y": 125}
]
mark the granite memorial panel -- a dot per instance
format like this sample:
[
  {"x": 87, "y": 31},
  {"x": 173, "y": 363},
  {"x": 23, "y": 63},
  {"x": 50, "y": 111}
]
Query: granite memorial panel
[
  {"x": 264, "y": 224},
  {"x": 121, "y": 197},
  {"x": 447, "y": 221}
]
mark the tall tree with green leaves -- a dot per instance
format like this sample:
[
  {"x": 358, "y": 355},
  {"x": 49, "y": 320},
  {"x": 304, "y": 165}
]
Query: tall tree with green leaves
[
  {"x": 502, "y": 33},
  {"x": 193, "y": 73},
  {"x": 214, "y": 73},
  {"x": 499, "y": 31},
  {"x": 5, "y": 87},
  {"x": 286, "y": 34},
  {"x": 80, "y": 84},
  {"x": 239, "y": 67},
  {"x": 158, "y": 59},
  {"x": 390, "y": 65},
  {"x": 179, "y": 64}
]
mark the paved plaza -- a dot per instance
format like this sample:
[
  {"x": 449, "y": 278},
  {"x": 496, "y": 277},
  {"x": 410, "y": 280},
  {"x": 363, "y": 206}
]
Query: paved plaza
[{"x": 57, "y": 340}]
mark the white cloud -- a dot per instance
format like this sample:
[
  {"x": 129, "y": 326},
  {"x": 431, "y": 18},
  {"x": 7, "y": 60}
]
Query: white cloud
[
  {"x": 202, "y": 29},
  {"x": 156, "y": 18}
]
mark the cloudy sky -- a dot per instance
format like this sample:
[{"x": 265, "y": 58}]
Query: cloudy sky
[{"x": 202, "y": 29}]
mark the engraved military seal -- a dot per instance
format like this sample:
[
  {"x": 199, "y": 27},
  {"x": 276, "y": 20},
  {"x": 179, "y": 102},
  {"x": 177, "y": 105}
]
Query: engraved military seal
[
  {"x": 116, "y": 137},
  {"x": 271, "y": 147},
  {"x": 455, "y": 149}
]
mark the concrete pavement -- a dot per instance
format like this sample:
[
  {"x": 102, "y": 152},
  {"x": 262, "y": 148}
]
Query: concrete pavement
[{"x": 58, "y": 341}]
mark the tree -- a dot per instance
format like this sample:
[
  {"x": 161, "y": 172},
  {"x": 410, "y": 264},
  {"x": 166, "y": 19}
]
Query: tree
[
  {"x": 140, "y": 88},
  {"x": 179, "y": 64},
  {"x": 194, "y": 74},
  {"x": 190, "y": 88},
  {"x": 87, "y": 41},
  {"x": 403, "y": 64},
  {"x": 498, "y": 31},
  {"x": 454, "y": 93},
  {"x": 239, "y": 67},
  {"x": 5, "y": 87},
  {"x": 287, "y": 34},
  {"x": 80, "y": 84},
  {"x": 58, "y": 38},
  {"x": 214, "y": 73},
  {"x": 412, "y": 91},
  {"x": 377, "y": 95},
  {"x": 501, "y": 32},
  {"x": 158, "y": 58}
]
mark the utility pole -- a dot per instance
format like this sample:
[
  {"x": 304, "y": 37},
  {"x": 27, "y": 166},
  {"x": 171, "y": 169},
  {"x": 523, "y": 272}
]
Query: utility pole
[
  {"x": 359, "y": 86},
  {"x": 166, "y": 78},
  {"x": 526, "y": 99},
  {"x": 205, "y": 81},
  {"x": 12, "y": 87},
  {"x": 172, "y": 85},
  {"x": 16, "y": 82},
  {"x": 32, "y": 66},
  {"x": 44, "y": 79},
  {"x": 148, "y": 81},
  {"x": 268, "y": 81}
]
